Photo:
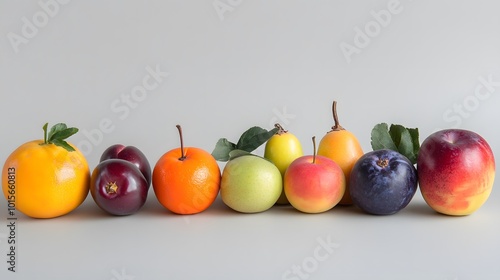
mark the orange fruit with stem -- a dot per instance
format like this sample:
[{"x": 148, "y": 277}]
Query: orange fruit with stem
[
  {"x": 46, "y": 178},
  {"x": 343, "y": 147},
  {"x": 186, "y": 180}
]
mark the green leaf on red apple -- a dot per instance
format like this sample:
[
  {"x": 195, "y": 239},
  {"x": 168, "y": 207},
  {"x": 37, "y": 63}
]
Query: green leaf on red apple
[{"x": 397, "y": 138}]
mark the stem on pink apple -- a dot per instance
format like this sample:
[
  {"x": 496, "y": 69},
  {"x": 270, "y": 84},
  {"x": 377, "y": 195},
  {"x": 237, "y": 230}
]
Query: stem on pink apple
[
  {"x": 183, "y": 156},
  {"x": 314, "y": 149}
]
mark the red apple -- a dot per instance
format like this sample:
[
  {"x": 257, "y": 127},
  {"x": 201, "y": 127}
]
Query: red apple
[
  {"x": 456, "y": 170},
  {"x": 130, "y": 154},
  {"x": 314, "y": 184}
]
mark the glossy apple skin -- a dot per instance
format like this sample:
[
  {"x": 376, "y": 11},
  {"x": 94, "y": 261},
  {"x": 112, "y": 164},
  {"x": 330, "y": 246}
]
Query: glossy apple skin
[
  {"x": 314, "y": 187},
  {"x": 383, "y": 189},
  {"x": 130, "y": 154},
  {"x": 456, "y": 170},
  {"x": 131, "y": 192}
]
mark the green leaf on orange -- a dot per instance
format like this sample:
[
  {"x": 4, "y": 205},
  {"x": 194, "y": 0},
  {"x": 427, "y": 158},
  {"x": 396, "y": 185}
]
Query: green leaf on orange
[
  {"x": 63, "y": 144},
  {"x": 57, "y": 134},
  {"x": 64, "y": 134},
  {"x": 56, "y": 128}
]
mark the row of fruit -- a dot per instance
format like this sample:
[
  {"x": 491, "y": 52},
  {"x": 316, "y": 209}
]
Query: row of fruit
[{"x": 456, "y": 169}]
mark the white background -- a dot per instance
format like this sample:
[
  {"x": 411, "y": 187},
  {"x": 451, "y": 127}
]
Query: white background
[{"x": 232, "y": 65}]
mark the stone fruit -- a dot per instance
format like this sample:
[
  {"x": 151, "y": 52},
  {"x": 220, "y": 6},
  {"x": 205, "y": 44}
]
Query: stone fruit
[
  {"x": 456, "y": 170},
  {"x": 186, "y": 180},
  {"x": 314, "y": 184},
  {"x": 250, "y": 184},
  {"x": 118, "y": 187},
  {"x": 130, "y": 154},
  {"x": 281, "y": 149},
  {"x": 46, "y": 178},
  {"x": 343, "y": 147},
  {"x": 383, "y": 182}
]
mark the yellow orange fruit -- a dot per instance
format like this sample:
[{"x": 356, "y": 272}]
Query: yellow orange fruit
[
  {"x": 341, "y": 146},
  {"x": 45, "y": 180}
]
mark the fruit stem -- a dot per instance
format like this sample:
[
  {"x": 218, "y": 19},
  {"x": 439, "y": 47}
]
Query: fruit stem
[
  {"x": 383, "y": 163},
  {"x": 281, "y": 130},
  {"x": 45, "y": 133},
  {"x": 314, "y": 149},
  {"x": 111, "y": 188},
  {"x": 337, "y": 125},
  {"x": 183, "y": 157}
]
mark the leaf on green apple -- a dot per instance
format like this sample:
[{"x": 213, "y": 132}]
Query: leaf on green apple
[
  {"x": 238, "y": 153},
  {"x": 222, "y": 149},
  {"x": 397, "y": 138},
  {"x": 254, "y": 137},
  {"x": 250, "y": 140},
  {"x": 251, "y": 132}
]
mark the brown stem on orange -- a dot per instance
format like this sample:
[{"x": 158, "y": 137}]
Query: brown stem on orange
[
  {"x": 337, "y": 125},
  {"x": 281, "y": 130},
  {"x": 183, "y": 156},
  {"x": 314, "y": 149}
]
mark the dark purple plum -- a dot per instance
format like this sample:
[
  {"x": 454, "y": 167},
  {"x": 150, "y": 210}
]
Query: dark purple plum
[
  {"x": 383, "y": 182},
  {"x": 118, "y": 187},
  {"x": 131, "y": 154}
]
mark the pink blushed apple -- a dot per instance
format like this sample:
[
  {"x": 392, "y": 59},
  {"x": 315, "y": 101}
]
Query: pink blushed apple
[
  {"x": 456, "y": 170},
  {"x": 314, "y": 184}
]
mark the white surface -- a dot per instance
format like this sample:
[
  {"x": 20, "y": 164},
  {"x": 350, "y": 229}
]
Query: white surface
[{"x": 260, "y": 62}]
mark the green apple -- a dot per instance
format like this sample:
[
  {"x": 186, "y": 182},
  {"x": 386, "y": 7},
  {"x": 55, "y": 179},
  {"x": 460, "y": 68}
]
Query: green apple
[{"x": 250, "y": 184}]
